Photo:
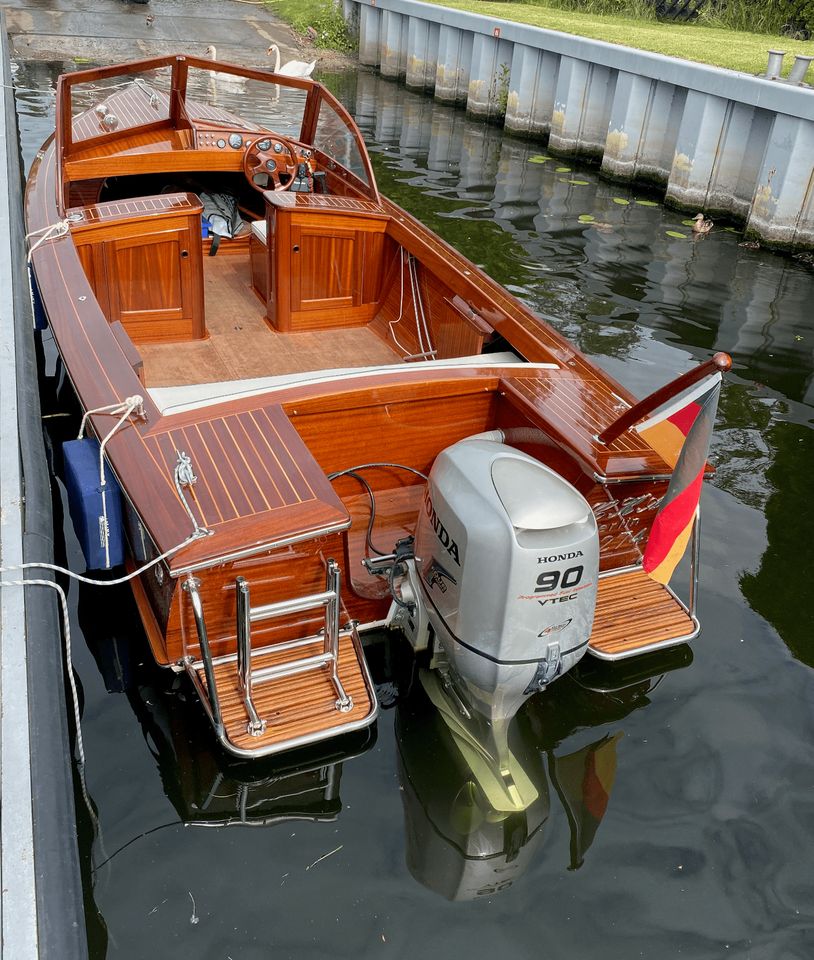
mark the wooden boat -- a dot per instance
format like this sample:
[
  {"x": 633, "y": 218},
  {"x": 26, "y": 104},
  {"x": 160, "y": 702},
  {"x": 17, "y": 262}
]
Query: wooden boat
[{"x": 235, "y": 394}]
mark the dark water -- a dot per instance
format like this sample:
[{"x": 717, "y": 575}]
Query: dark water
[{"x": 701, "y": 844}]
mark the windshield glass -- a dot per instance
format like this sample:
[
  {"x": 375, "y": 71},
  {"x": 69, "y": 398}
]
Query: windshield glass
[
  {"x": 226, "y": 99},
  {"x": 120, "y": 103},
  {"x": 335, "y": 139}
]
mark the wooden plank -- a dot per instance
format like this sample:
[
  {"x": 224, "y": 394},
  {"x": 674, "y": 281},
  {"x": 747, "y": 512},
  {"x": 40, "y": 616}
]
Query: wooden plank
[
  {"x": 635, "y": 614},
  {"x": 303, "y": 501},
  {"x": 573, "y": 408}
]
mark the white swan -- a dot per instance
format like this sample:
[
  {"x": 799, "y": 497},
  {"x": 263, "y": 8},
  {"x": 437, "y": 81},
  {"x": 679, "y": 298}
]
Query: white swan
[
  {"x": 294, "y": 68},
  {"x": 225, "y": 80}
]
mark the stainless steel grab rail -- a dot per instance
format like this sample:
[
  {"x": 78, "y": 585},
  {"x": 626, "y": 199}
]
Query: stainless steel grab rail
[
  {"x": 191, "y": 585},
  {"x": 246, "y": 615}
]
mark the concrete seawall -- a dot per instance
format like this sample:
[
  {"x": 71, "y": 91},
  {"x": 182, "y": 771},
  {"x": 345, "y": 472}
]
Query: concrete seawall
[
  {"x": 41, "y": 903},
  {"x": 714, "y": 140}
]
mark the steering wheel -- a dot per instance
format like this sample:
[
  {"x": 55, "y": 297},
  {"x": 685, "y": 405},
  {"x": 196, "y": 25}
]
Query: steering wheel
[{"x": 272, "y": 164}]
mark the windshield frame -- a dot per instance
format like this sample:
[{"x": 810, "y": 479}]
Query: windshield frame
[{"x": 178, "y": 118}]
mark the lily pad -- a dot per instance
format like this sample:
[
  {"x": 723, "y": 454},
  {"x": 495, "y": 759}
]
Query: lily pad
[
  {"x": 688, "y": 223},
  {"x": 647, "y": 203},
  {"x": 731, "y": 230},
  {"x": 621, "y": 201},
  {"x": 586, "y": 218},
  {"x": 538, "y": 158},
  {"x": 563, "y": 169},
  {"x": 676, "y": 234},
  {"x": 580, "y": 183}
]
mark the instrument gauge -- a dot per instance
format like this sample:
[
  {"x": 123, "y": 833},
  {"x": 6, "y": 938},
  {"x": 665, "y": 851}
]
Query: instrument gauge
[
  {"x": 221, "y": 143},
  {"x": 263, "y": 145},
  {"x": 306, "y": 154},
  {"x": 271, "y": 165},
  {"x": 235, "y": 141},
  {"x": 278, "y": 148}
]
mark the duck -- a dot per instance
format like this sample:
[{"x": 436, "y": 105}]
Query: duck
[
  {"x": 701, "y": 224},
  {"x": 294, "y": 68}
]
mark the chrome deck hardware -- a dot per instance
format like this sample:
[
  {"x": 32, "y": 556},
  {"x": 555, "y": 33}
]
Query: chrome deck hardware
[
  {"x": 247, "y": 615},
  {"x": 211, "y": 703}
]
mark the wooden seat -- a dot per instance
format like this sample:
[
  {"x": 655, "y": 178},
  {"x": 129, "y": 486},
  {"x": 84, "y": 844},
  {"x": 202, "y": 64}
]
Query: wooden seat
[{"x": 636, "y": 615}]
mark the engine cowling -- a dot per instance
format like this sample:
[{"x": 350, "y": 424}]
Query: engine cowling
[{"x": 507, "y": 560}]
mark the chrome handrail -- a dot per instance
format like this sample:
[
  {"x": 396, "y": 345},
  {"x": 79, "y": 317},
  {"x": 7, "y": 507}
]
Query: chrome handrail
[
  {"x": 329, "y": 598},
  {"x": 191, "y": 585},
  {"x": 255, "y": 726}
]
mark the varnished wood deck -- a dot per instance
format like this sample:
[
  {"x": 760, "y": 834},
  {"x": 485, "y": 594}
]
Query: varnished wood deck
[
  {"x": 575, "y": 407},
  {"x": 241, "y": 344},
  {"x": 634, "y": 615},
  {"x": 296, "y": 706},
  {"x": 253, "y": 467}
]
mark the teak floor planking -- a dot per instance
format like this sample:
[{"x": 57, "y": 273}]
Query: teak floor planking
[
  {"x": 292, "y": 706},
  {"x": 632, "y": 612},
  {"x": 241, "y": 344}
]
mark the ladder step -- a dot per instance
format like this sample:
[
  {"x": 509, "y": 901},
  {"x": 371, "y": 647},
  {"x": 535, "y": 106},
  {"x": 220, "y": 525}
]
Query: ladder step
[
  {"x": 297, "y": 605},
  {"x": 292, "y": 668}
]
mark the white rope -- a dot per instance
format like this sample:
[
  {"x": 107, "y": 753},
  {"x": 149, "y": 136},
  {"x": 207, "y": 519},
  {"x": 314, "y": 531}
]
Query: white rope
[
  {"x": 126, "y": 407},
  {"x": 51, "y": 232},
  {"x": 418, "y": 305},
  {"x": 106, "y": 583},
  {"x": 63, "y": 602},
  {"x": 392, "y": 323}
]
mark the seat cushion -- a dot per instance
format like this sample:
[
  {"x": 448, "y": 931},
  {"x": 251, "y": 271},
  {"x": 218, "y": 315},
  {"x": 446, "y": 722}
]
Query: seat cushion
[{"x": 259, "y": 230}]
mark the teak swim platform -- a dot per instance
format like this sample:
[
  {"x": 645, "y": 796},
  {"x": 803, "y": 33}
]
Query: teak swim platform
[{"x": 271, "y": 389}]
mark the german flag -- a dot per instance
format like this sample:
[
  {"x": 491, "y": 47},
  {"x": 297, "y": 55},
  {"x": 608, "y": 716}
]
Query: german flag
[
  {"x": 583, "y": 781},
  {"x": 680, "y": 432}
]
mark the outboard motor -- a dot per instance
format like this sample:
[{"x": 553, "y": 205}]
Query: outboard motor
[{"x": 505, "y": 574}]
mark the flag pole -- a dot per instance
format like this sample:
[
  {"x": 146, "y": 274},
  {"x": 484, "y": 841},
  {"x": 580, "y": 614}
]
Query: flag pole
[
  {"x": 719, "y": 363},
  {"x": 695, "y": 563}
]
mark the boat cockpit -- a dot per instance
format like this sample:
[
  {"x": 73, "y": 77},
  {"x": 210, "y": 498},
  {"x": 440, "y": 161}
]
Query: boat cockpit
[{"x": 230, "y": 227}]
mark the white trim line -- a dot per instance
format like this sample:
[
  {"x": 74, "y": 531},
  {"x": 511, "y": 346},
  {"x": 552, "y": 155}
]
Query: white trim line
[{"x": 172, "y": 400}]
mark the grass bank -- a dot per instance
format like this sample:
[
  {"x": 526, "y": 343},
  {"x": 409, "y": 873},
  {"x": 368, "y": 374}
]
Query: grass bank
[
  {"x": 321, "y": 21},
  {"x": 718, "y": 46}
]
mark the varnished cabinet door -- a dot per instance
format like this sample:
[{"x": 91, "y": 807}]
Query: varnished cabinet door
[
  {"x": 323, "y": 268},
  {"x": 150, "y": 280},
  {"x": 324, "y": 273}
]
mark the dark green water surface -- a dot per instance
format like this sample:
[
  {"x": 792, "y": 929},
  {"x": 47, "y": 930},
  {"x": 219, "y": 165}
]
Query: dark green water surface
[{"x": 675, "y": 811}]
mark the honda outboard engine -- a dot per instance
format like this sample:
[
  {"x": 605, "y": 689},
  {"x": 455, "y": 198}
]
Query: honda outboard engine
[{"x": 506, "y": 568}]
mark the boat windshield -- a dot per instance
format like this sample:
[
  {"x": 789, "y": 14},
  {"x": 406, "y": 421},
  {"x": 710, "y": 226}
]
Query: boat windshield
[
  {"x": 124, "y": 107},
  {"x": 226, "y": 98},
  {"x": 334, "y": 138}
]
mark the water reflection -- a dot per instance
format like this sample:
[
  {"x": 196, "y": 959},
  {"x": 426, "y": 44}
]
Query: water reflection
[{"x": 475, "y": 808}]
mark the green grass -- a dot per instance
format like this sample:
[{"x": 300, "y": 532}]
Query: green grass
[
  {"x": 720, "y": 47},
  {"x": 322, "y": 15}
]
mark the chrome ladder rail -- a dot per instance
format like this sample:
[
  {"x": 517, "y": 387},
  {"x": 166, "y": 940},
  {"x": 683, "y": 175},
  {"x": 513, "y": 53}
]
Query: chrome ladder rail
[
  {"x": 191, "y": 585},
  {"x": 246, "y": 615}
]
